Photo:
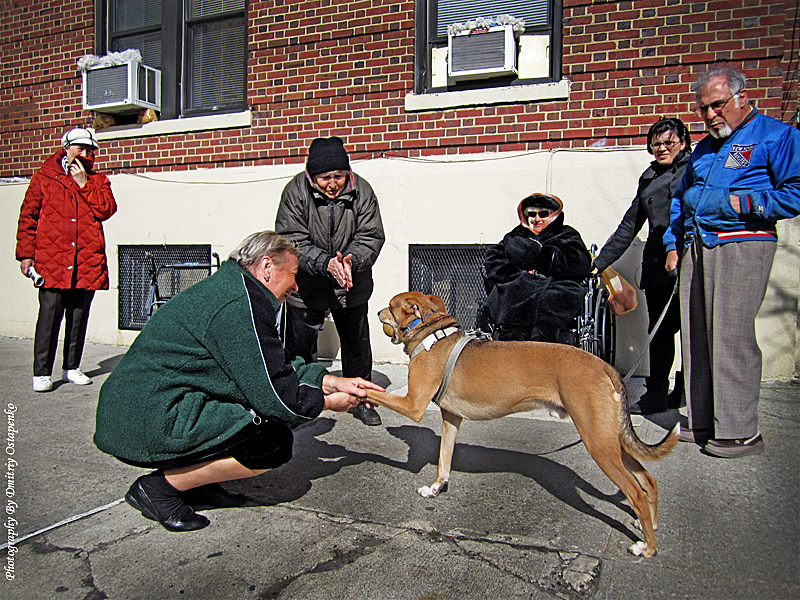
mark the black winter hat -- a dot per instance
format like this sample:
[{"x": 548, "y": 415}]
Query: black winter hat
[
  {"x": 541, "y": 201},
  {"x": 327, "y": 154}
]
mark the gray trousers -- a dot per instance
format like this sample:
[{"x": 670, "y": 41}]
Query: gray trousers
[{"x": 721, "y": 290}]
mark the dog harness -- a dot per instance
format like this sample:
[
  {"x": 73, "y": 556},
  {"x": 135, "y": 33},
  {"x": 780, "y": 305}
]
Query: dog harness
[{"x": 451, "y": 365}]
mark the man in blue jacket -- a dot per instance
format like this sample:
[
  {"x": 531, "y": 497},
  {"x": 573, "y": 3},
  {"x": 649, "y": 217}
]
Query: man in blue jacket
[{"x": 742, "y": 178}]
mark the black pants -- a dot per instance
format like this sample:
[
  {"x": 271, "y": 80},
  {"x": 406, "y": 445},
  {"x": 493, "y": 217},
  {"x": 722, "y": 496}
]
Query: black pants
[
  {"x": 54, "y": 305},
  {"x": 304, "y": 324},
  {"x": 662, "y": 348}
]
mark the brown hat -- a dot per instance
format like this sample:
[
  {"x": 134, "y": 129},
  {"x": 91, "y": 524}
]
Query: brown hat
[{"x": 327, "y": 154}]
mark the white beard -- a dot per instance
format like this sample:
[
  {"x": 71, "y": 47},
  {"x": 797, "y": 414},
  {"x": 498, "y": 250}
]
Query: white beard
[{"x": 720, "y": 132}]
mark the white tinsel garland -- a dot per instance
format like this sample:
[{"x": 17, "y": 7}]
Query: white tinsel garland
[
  {"x": 90, "y": 61},
  {"x": 518, "y": 25}
]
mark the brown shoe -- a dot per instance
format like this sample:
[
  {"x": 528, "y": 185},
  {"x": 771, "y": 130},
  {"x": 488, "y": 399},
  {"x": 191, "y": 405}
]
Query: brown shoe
[
  {"x": 695, "y": 436},
  {"x": 735, "y": 448}
]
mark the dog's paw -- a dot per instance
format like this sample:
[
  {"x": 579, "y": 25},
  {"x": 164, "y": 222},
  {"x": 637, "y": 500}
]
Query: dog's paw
[
  {"x": 641, "y": 549},
  {"x": 429, "y": 491}
]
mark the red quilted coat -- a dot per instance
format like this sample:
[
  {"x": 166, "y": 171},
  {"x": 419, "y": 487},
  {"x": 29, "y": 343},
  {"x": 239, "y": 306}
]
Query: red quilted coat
[{"x": 61, "y": 227}]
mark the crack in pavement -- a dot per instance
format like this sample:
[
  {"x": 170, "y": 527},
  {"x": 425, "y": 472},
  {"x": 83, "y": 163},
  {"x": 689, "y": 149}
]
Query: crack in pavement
[
  {"x": 363, "y": 546},
  {"x": 43, "y": 546},
  {"x": 573, "y": 578}
]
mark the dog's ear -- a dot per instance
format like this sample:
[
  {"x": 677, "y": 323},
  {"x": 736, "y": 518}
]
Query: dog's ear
[
  {"x": 411, "y": 307},
  {"x": 438, "y": 304},
  {"x": 417, "y": 311}
]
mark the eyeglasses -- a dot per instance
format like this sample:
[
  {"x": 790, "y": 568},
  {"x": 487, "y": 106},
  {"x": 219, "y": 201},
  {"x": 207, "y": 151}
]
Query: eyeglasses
[
  {"x": 717, "y": 105},
  {"x": 669, "y": 144},
  {"x": 542, "y": 214}
]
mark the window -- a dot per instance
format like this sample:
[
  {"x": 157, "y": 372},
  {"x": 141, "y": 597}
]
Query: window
[
  {"x": 538, "y": 48},
  {"x": 199, "y": 45}
]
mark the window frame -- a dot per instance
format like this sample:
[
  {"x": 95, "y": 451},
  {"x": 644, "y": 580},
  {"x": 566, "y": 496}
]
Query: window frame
[
  {"x": 425, "y": 39},
  {"x": 174, "y": 66}
]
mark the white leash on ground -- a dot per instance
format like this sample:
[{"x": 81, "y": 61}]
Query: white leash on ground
[
  {"x": 61, "y": 523},
  {"x": 652, "y": 333}
]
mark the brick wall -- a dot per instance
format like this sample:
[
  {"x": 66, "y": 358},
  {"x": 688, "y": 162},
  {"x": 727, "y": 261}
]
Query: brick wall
[{"x": 327, "y": 67}]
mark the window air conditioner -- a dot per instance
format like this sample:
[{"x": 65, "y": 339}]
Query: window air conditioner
[
  {"x": 482, "y": 53},
  {"x": 126, "y": 87}
]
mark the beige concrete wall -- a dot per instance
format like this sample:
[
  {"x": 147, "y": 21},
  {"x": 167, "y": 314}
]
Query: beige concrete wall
[{"x": 465, "y": 200}]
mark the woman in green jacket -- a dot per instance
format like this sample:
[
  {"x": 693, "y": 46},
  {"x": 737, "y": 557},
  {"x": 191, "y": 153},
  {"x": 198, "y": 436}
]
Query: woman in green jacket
[{"x": 206, "y": 392}]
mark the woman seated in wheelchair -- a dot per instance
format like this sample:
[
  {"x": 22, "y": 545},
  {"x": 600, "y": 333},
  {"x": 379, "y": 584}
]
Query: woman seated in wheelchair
[{"x": 534, "y": 276}]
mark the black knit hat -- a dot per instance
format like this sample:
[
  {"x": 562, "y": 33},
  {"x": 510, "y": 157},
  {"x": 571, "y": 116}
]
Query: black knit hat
[
  {"x": 541, "y": 201},
  {"x": 325, "y": 155}
]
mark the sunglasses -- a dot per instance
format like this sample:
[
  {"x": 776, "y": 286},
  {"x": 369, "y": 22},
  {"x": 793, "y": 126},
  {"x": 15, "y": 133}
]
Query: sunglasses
[{"x": 542, "y": 214}]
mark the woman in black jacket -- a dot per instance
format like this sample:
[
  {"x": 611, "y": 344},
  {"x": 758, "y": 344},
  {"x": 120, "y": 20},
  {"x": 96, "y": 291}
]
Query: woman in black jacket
[
  {"x": 669, "y": 142},
  {"x": 533, "y": 276}
]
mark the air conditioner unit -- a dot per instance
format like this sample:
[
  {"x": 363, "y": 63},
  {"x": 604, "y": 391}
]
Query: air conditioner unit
[
  {"x": 482, "y": 53},
  {"x": 126, "y": 87}
]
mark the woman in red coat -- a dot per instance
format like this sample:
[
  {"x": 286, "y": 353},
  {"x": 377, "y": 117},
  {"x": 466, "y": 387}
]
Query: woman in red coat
[{"x": 60, "y": 237}]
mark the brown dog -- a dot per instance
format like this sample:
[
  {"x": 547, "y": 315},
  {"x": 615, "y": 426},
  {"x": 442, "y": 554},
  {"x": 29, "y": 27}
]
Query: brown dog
[{"x": 494, "y": 379}]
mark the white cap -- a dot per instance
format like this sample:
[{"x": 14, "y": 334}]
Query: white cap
[{"x": 80, "y": 135}]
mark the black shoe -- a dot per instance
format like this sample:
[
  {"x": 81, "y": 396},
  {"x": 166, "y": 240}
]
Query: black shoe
[
  {"x": 366, "y": 413},
  {"x": 173, "y": 513}
]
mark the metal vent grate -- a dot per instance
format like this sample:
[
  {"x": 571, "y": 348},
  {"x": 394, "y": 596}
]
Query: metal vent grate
[
  {"x": 452, "y": 272},
  {"x": 135, "y": 275}
]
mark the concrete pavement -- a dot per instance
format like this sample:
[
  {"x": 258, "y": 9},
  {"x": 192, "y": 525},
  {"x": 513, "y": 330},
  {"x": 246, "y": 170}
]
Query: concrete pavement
[{"x": 528, "y": 513}]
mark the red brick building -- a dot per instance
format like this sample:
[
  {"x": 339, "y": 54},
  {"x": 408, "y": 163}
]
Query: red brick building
[{"x": 322, "y": 67}]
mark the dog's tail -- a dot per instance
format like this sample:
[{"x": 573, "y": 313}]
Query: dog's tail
[{"x": 627, "y": 435}]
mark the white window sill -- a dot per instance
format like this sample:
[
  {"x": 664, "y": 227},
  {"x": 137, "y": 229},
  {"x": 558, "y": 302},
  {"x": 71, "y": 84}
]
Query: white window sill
[
  {"x": 499, "y": 95},
  {"x": 223, "y": 121}
]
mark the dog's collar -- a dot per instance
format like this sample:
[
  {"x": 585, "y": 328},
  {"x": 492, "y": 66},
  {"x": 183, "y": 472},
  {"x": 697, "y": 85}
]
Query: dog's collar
[
  {"x": 429, "y": 341},
  {"x": 415, "y": 323}
]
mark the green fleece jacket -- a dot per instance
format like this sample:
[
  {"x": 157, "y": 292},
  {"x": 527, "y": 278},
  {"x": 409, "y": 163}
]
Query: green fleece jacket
[{"x": 205, "y": 364}]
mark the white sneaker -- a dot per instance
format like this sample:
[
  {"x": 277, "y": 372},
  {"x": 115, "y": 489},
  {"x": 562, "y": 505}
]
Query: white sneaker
[
  {"x": 43, "y": 383},
  {"x": 76, "y": 376}
]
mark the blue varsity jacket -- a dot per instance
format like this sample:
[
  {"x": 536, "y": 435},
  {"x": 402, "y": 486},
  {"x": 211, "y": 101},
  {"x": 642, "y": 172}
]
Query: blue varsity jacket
[{"x": 760, "y": 163}]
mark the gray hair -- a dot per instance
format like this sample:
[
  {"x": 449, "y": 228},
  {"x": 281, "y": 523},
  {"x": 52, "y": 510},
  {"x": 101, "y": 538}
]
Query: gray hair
[
  {"x": 260, "y": 244},
  {"x": 736, "y": 80}
]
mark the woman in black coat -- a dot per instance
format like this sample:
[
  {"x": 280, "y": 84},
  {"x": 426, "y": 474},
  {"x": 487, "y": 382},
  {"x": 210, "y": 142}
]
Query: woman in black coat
[
  {"x": 669, "y": 142},
  {"x": 533, "y": 276}
]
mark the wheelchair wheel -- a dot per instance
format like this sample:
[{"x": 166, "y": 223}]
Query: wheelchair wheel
[{"x": 605, "y": 333}]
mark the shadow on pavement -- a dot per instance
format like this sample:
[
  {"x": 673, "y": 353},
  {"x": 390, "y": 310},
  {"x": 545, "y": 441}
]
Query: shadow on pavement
[{"x": 316, "y": 459}]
